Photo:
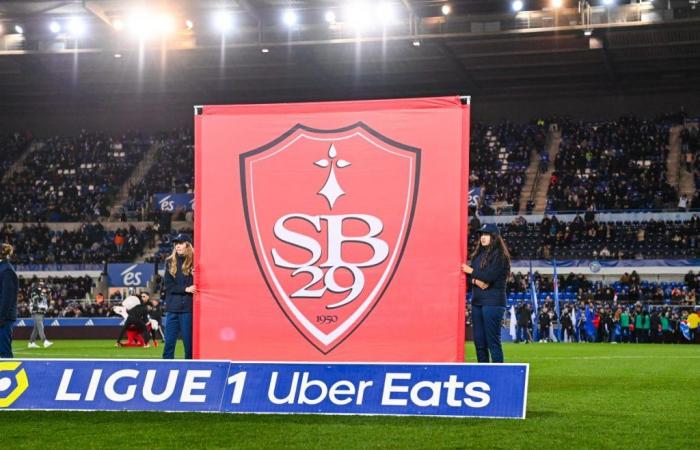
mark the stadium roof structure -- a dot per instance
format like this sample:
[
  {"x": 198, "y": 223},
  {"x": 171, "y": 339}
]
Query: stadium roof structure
[{"x": 481, "y": 48}]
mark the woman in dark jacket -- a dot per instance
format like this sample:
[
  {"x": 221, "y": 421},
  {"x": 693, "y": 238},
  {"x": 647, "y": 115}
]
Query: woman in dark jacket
[
  {"x": 489, "y": 269},
  {"x": 179, "y": 289},
  {"x": 8, "y": 300}
]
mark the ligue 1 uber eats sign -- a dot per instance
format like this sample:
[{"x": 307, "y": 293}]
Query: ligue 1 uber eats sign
[
  {"x": 331, "y": 231},
  {"x": 462, "y": 390}
]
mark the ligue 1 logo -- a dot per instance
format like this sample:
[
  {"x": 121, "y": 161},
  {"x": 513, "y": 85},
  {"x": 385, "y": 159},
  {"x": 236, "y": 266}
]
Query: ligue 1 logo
[
  {"x": 329, "y": 214},
  {"x": 13, "y": 386}
]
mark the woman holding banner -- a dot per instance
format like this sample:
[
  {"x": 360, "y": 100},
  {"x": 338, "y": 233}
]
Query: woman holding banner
[
  {"x": 8, "y": 300},
  {"x": 489, "y": 269},
  {"x": 179, "y": 290}
]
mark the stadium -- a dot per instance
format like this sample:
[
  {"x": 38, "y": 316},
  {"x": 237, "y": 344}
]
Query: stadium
[{"x": 388, "y": 139}]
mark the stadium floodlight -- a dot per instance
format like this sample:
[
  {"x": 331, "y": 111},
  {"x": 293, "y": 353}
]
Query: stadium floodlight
[
  {"x": 329, "y": 17},
  {"x": 385, "y": 13},
  {"x": 117, "y": 24},
  {"x": 358, "y": 15},
  {"x": 19, "y": 29},
  {"x": 189, "y": 24},
  {"x": 55, "y": 27},
  {"x": 165, "y": 24},
  {"x": 140, "y": 24},
  {"x": 517, "y": 5},
  {"x": 76, "y": 26},
  {"x": 290, "y": 18},
  {"x": 223, "y": 21},
  {"x": 446, "y": 9},
  {"x": 556, "y": 3}
]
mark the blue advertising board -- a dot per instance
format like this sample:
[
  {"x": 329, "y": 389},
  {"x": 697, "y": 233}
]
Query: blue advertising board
[
  {"x": 130, "y": 275},
  {"x": 449, "y": 390},
  {"x": 72, "y": 322},
  {"x": 173, "y": 202}
]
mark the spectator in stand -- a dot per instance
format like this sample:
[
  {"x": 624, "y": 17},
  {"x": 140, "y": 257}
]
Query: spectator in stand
[{"x": 119, "y": 241}]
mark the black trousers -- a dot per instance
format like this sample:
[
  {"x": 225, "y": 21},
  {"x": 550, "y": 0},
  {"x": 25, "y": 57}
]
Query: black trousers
[
  {"x": 6, "y": 340},
  {"x": 137, "y": 325}
]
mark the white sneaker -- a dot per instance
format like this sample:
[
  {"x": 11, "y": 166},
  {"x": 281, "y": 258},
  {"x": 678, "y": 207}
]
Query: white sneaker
[
  {"x": 32, "y": 345},
  {"x": 47, "y": 344}
]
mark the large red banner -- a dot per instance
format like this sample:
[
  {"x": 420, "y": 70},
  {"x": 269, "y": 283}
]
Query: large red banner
[{"x": 331, "y": 231}]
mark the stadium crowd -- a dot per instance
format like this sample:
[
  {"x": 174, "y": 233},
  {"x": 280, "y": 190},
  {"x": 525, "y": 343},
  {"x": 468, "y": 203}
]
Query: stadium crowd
[
  {"x": 608, "y": 165},
  {"x": 67, "y": 296},
  {"x": 90, "y": 243},
  {"x": 71, "y": 179},
  {"x": 608, "y": 323},
  {"x": 630, "y": 288},
  {"x": 586, "y": 238},
  {"x": 612, "y": 166},
  {"x": 629, "y": 310},
  {"x": 172, "y": 172},
  {"x": 498, "y": 158}
]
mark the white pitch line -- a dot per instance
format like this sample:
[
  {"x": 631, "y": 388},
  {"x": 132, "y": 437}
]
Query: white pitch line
[
  {"x": 617, "y": 357},
  {"x": 31, "y": 355}
]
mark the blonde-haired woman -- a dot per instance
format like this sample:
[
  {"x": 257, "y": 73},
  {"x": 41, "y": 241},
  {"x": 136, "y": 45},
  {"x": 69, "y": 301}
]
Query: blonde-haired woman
[
  {"x": 179, "y": 289},
  {"x": 8, "y": 300}
]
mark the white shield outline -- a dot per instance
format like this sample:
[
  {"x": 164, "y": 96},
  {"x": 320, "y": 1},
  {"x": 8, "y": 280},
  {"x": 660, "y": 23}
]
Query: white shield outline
[{"x": 326, "y": 342}]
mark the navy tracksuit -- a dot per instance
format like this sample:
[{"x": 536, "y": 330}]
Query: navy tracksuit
[
  {"x": 8, "y": 307},
  {"x": 488, "y": 306},
  {"x": 178, "y": 311}
]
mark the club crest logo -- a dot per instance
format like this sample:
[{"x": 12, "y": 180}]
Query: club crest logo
[{"x": 329, "y": 214}]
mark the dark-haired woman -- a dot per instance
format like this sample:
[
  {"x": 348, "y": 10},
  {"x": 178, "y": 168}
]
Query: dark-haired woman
[{"x": 488, "y": 272}]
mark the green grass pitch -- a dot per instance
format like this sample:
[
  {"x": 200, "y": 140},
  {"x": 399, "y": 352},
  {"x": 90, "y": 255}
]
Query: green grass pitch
[{"x": 580, "y": 396}]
